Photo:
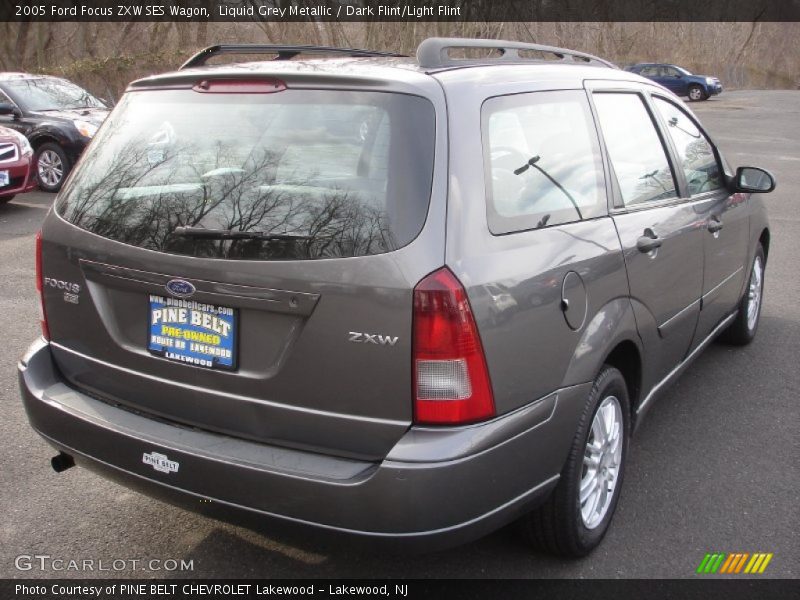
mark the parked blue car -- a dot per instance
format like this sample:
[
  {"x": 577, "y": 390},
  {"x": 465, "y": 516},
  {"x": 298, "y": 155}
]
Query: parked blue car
[{"x": 679, "y": 80}]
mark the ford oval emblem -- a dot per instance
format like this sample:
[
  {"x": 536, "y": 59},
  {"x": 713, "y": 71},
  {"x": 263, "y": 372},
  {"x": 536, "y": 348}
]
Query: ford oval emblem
[{"x": 180, "y": 288}]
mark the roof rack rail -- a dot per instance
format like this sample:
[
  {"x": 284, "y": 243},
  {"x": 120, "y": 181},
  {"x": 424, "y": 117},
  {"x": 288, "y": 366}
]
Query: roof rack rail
[
  {"x": 282, "y": 52},
  {"x": 433, "y": 53}
]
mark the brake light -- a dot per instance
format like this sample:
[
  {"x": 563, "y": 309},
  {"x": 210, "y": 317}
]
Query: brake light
[
  {"x": 240, "y": 86},
  {"x": 40, "y": 287},
  {"x": 451, "y": 380}
]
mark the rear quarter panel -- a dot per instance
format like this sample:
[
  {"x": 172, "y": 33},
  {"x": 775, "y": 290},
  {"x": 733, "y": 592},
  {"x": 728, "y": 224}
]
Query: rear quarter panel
[{"x": 530, "y": 349}]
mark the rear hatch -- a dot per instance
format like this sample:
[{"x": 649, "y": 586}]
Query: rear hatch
[{"x": 240, "y": 255}]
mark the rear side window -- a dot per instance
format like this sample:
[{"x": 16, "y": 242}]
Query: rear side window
[
  {"x": 635, "y": 149},
  {"x": 693, "y": 149},
  {"x": 542, "y": 161},
  {"x": 298, "y": 174}
]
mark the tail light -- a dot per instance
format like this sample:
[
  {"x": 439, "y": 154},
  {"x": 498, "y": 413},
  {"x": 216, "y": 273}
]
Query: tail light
[
  {"x": 40, "y": 287},
  {"x": 451, "y": 380}
]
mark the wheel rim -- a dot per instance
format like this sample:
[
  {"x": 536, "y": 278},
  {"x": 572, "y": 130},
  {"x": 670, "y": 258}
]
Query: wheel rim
[
  {"x": 50, "y": 168},
  {"x": 602, "y": 460},
  {"x": 695, "y": 94},
  {"x": 754, "y": 293}
]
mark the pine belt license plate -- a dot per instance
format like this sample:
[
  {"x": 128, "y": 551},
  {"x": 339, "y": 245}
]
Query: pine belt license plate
[
  {"x": 4, "y": 178},
  {"x": 193, "y": 333}
]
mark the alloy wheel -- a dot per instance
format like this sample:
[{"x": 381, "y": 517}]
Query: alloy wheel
[
  {"x": 601, "y": 462},
  {"x": 754, "y": 293},
  {"x": 50, "y": 168}
]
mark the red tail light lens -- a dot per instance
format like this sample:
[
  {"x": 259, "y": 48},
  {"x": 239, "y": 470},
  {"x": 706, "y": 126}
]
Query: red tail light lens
[
  {"x": 451, "y": 380},
  {"x": 40, "y": 287},
  {"x": 240, "y": 86}
]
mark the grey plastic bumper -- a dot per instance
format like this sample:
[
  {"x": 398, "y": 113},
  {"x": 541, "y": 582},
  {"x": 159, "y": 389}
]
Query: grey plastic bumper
[{"x": 438, "y": 486}]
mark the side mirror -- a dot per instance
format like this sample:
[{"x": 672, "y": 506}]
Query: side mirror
[
  {"x": 753, "y": 180},
  {"x": 9, "y": 109}
]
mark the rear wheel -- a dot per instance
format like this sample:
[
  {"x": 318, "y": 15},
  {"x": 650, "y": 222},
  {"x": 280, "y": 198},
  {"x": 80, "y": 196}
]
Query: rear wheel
[
  {"x": 744, "y": 327},
  {"x": 697, "y": 92},
  {"x": 574, "y": 519},
  {"x": 52, "y": 166}
]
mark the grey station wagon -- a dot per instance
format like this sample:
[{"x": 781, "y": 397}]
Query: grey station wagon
[{"x": 413, "y": 300}]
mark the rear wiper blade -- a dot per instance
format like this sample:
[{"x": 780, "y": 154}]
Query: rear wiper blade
[
  {"x": 233, "y": 234},
  {"x": 532, "y": 163}
]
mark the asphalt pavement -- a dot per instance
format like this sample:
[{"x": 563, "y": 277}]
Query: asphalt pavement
[{"x": 714, "y": 468}]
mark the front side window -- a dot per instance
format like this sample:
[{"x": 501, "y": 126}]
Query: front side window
[
  {"x": 693, "y": 149},
  {"x": 635, "y": 149},
  {"x": 297, "y": 174},
  {"x": 542, "y": 161}
]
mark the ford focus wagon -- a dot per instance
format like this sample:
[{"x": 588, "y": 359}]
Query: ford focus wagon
[{"x": 408, "y": 299}]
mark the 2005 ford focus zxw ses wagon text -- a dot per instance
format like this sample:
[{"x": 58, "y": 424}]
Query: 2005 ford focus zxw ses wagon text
[{"x": 406, "y": 299}]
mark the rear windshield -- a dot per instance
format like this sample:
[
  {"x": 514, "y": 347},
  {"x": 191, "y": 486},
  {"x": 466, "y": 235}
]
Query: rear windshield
[{"x": 297, "y": 174}]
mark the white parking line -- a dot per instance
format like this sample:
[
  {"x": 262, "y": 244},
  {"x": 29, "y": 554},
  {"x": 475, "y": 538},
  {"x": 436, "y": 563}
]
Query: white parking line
[{"x": 29, "y": 205}]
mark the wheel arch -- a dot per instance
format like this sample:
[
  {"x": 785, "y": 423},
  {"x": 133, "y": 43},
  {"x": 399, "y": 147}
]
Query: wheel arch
[
  {"x": 38, "y": 140},
  {"x": 611, "y": 337},
  {"x": 763, "y": 239},
  {"x": 56, "y": 133},
  {"x": 627, "y": 359}
]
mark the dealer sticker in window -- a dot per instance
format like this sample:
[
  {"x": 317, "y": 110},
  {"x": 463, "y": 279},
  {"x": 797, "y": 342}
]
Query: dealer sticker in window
[{"x": 192, "y": 332}]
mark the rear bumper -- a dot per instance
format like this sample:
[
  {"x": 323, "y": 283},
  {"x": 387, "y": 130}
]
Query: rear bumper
[{"x": 437, "y": 487}]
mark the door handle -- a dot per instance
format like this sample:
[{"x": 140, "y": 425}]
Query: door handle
[
  {"x": 714, "y": 225},
  {"x": 649, "y": 241}
]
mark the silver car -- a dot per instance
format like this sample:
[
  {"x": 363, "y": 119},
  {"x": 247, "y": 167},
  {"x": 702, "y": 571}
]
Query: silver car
[{"x": 409, "y": 299}]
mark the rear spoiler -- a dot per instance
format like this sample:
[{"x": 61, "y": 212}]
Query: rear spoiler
[{"x": 280, "y": 52}]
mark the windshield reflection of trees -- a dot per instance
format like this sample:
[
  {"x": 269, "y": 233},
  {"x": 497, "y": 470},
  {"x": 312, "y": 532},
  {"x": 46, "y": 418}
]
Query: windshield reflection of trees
[
  {"x": 146, "y": 192},
  {"x": 46, "y": 94}
]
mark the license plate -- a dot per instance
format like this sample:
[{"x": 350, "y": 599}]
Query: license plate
[
  {"x": 4, "y": 178},
  {"x": 203, "y": 335}
]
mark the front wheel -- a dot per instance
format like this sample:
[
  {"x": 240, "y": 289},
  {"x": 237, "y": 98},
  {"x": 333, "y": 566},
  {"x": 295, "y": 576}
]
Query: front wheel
[
  {"x": 52, "y": 166},
  {"x": 574, "y": 519},
  {"x": 696, "y": 93},
  {"x": 6, "y": 199},
  {"x": 743, "y": 329}
]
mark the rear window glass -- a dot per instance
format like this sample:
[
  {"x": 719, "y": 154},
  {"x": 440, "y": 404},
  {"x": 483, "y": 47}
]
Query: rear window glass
[
  {"x": 542, "y": 161},
  {"x": 298, "y": 174}
]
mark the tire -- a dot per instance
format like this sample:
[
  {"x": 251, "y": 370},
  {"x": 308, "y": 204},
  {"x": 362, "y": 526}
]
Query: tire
[
  {"x": 560, "y": 525},
  {"x": 696, "y": 92},
  {"x": 6, "y": 199},
  {"x": 744, "y": 327},
  {"x": 52, "y": 166}
]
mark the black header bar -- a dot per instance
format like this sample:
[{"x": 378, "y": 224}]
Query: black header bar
[{"x": 400, "y": 10}]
